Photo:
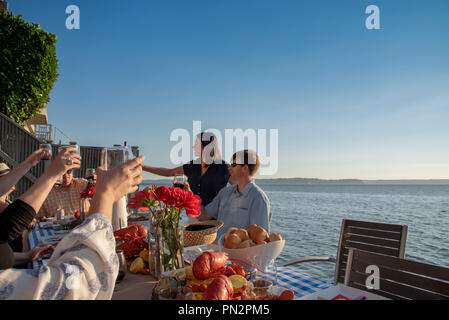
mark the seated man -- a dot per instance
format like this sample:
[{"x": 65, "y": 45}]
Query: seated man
[
  {"x": 243, "y": 203},
  {"x": 65, "y": 196}
]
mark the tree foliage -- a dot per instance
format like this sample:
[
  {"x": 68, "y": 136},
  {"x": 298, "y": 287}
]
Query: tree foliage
[{"x": 28, "y": 67}]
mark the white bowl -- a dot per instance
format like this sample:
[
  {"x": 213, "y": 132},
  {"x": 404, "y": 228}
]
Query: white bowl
[{"x": 258, "y": 256}]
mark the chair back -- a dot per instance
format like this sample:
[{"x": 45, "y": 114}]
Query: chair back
[
  {"x": 387, "y": 239},
  {"x": 398, "y": 279}
]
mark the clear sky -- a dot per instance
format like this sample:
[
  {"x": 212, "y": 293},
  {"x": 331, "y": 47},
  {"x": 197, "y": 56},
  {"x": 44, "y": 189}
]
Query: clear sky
[{"x": 348, "y": 102}]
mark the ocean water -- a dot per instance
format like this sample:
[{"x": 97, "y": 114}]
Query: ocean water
[{"x": 309, "y": 219}]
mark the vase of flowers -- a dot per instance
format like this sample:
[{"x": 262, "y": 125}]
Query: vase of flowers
[{"x": 165, "y": 206}]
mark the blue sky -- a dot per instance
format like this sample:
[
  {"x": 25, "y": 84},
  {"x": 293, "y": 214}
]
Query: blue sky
[{"x": 348, "y": 102}]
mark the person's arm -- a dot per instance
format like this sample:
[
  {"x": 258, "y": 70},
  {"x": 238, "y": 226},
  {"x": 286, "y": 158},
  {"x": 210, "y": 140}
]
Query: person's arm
[
  {"x": 165, "y": 172},
  {"x": 17, "y": 217},
  {"x": 33, "y": 254},
  {"x": 204, "y": 215},
  {"x": 211, "y": 210},
  {"x": 44, "y": 211},
  {"x": 9, "y": 180},
  {"x": 14, "y": 220}
]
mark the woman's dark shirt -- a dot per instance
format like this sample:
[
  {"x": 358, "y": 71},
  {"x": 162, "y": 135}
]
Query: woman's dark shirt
[
  {"x": 13, "y": 221},
  {"x": 210, "y": 183}
]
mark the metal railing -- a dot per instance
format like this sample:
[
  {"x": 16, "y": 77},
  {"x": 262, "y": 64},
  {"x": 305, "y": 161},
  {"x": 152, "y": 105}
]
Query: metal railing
[
  {"x": 62, "y": 136},
  {"x": 16, "y": 144}
]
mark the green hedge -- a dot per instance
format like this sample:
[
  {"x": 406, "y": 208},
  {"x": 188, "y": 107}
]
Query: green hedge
[{"x": 28, "y": 67}]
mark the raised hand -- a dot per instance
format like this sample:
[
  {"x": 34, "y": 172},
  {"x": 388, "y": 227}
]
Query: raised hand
[
  {"x": 34, "y": 158},
  {"x": 121, "y": 180},
  {"x": 64, "y": 161},
  {"x": 39, "y": 251}
]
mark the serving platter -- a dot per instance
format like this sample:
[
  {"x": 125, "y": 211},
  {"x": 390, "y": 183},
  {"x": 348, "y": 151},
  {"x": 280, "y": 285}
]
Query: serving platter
[{"x": 275, "y": 290}]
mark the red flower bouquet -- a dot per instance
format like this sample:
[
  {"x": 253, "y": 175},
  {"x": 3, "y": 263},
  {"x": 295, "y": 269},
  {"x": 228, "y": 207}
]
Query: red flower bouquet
[
  {"x": 89, "y": 192},
  {"x": 165, "y": 205},
  {"x": 173, "y": 198}
]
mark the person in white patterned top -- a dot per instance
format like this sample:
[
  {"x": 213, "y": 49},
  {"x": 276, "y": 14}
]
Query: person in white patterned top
[{"x": 84, "y": 264}]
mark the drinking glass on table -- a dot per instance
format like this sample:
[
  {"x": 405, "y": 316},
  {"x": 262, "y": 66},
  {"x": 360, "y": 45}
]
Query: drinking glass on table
[
  {"x": 47, "y": 148},
  {"x": 263, "y": 280},
  {"x": 122, "y": 266},
  {"x": 178, "y": 181},
  {"x": 185, "y": 293}
]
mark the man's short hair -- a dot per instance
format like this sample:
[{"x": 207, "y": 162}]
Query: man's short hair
[{"x": 249, "y": 158}]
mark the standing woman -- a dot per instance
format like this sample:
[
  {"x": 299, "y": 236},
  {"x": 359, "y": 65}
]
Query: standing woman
[{"x": 206, "y": 177}]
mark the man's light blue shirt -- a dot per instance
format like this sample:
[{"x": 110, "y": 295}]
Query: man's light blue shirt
[{"x": 240, "y": 209}]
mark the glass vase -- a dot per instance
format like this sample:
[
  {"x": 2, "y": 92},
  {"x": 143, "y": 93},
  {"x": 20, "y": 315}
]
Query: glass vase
[
  {"x": 84, "y": 207},
  {"x": 165, "y": 247},
  {"x": 171, "y": 248}
]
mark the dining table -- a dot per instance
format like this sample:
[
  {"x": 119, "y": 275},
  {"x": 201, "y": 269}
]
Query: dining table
[{"x": 140, "y": 287}]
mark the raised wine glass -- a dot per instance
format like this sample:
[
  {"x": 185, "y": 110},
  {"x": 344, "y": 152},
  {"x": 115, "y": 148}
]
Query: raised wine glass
[
  {"x": 178, "y": 181},
  {"x": 47, "y": 148}
]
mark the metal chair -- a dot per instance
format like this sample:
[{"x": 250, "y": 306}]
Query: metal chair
[
  {"x": 398, "y": 279},
  {"x": 387, "y": 239}
]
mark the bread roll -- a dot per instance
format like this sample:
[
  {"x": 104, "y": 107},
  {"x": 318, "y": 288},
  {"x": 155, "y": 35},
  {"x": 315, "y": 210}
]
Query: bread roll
[
  {"x": 261, "y": 242},
  {"x": 230, "y": 231},
  {"x": 275, "y": 237},
  {"x": 232, "y": 241},
  {"x": 256, "y": 233},
  {"x": 246, "y": 244},
  {"x": 243, "y": 234}
]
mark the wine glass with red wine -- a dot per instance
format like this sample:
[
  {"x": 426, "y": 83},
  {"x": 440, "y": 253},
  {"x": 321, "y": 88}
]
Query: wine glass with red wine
[
  {"x": 47, "y": 148},
  {"x": 178, "y": 181}
]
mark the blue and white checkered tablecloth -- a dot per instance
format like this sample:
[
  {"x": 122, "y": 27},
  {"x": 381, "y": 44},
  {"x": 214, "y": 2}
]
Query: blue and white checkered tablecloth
[
  {"x": 301, "y": 283},
  {"x": 38, "y": 235}
]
